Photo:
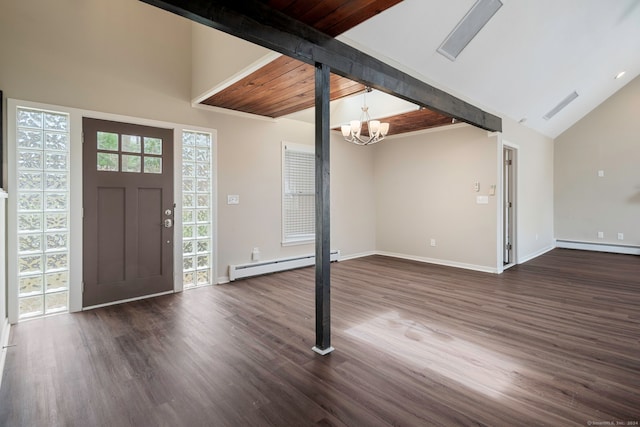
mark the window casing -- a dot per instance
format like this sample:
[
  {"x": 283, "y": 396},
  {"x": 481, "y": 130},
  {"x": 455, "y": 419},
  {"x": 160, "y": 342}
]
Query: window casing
[{"x": 298, "y": 194}]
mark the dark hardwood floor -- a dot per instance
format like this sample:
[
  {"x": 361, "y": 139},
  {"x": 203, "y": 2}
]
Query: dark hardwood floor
[{"x": 555, "y": 341}]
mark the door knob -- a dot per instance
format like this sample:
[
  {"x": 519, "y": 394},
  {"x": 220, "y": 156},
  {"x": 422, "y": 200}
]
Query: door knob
[{"x": 168, "y": 223}]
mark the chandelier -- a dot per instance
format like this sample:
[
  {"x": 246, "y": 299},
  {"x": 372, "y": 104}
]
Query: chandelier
[{"x": 376, "y": 130}]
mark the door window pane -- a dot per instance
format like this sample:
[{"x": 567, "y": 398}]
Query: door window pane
[
  {"x": 107, "y": 162},
  {"x": 152, "y": 165},
  {"x": 131, "y": 144},
  {"x": 107, "y": 141},
  {"x": 130, "y": 163},
  {"x": 153, "y": 146}
]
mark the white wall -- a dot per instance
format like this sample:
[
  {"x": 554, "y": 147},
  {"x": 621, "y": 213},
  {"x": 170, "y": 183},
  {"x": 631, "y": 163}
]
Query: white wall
[
  {"x": 607, "y": 139},
  {"x": 424, "y": 189}
]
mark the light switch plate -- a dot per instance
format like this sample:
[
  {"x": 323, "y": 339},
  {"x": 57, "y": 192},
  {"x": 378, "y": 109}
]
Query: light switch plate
[{"x": 233, "y": 199}]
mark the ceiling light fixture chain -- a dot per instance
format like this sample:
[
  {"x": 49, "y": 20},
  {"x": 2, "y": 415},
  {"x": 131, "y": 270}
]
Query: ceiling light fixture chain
[{"x": 376, "y": 130}]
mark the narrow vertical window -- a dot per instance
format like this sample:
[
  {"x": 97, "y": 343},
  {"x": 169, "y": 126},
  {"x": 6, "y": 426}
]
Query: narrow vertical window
[
  {"x": 298, "y": 194},
  {"x": 196, "y": 209},
  {"x": 42, "y": 153}
]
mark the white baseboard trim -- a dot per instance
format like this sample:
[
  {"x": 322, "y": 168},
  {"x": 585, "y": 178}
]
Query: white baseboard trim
[
  {"x": 529, "y": 257},
  {"x": 482, "y": 268},
  {"x": 322, "y": 352},
  {"x": 223, "y": 279},
  {"x": 358, "y": 255},
  {"x": 4, "y": 342},
  {"x": 599, "y": 247}
]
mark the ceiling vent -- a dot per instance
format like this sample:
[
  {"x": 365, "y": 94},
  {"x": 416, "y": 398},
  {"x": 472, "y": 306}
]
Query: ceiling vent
[
  {"x": 479, "y": 14},
  {"x": 561, "y": 105}
]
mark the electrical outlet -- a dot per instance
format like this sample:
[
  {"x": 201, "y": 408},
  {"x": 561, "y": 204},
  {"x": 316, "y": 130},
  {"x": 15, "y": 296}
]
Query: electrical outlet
[
  {"x": 600, "y": 235},
  {"x": 620, "y": 236},
  {"x": 432, "y": 242}
]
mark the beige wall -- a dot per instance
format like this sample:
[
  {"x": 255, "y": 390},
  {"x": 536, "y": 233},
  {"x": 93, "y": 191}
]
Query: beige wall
[
  {"x": 129, "y": 58},
  {"x": 607, "y": 139},
  {"x": 218, "y": 57},
  {"x": 250, "y": 166},
  {"x": 424, "y": 189}
]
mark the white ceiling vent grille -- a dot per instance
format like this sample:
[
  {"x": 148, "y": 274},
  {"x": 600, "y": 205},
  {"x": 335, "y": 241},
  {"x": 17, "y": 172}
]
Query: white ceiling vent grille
[
  {"x": 479, "y": 14},
  {"x": 561, "y": 105}
]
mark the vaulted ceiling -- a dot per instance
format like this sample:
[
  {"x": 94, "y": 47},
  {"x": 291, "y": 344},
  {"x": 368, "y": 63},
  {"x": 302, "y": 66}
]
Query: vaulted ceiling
[
  {"x": 526, "y": 59},
  {"x": 529, "y": 57}
]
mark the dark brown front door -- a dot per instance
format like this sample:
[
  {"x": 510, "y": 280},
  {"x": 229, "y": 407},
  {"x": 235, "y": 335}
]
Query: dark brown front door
[{"x": 128, "y": 211}]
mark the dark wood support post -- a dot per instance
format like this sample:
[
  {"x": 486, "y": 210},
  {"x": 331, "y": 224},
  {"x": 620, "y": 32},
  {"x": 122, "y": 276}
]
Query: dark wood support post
[{"x": 323, "y": 241}]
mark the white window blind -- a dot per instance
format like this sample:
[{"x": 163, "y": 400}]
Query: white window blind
[{"x": 298, "y": 195}]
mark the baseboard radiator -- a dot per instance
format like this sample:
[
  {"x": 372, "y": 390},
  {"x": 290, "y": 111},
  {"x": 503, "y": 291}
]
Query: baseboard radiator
[{"x": 256, "y": 268}]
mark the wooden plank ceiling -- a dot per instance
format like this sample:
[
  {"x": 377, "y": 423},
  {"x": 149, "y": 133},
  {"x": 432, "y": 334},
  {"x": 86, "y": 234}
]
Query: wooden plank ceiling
[{"x": 286, "y": 85}]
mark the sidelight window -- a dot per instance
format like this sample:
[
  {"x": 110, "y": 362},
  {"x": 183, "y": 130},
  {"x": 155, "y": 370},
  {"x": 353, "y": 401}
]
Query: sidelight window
[
  {"x": 197, "y": 185},
  {"x": 42, "y": 153}
]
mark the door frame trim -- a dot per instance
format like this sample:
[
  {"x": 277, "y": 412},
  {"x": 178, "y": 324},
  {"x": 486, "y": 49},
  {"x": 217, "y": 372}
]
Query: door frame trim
[
  {"x": 75, "y": 196},
  {"x": 516, "y": 148}
]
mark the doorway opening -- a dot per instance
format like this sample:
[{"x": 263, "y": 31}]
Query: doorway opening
[{"x": 509, "y": 189}]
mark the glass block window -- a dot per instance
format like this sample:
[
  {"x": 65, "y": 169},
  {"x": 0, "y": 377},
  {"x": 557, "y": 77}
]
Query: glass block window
[
  {"x": 298, "y": 193},
  {"x": 196, "y": 209},
  {"x": 42, "y": 145}
]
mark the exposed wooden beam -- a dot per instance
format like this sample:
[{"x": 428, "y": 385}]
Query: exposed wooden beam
[
  {"x": 323, "y": 263},
  {"x": 256, "y": 22}
]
